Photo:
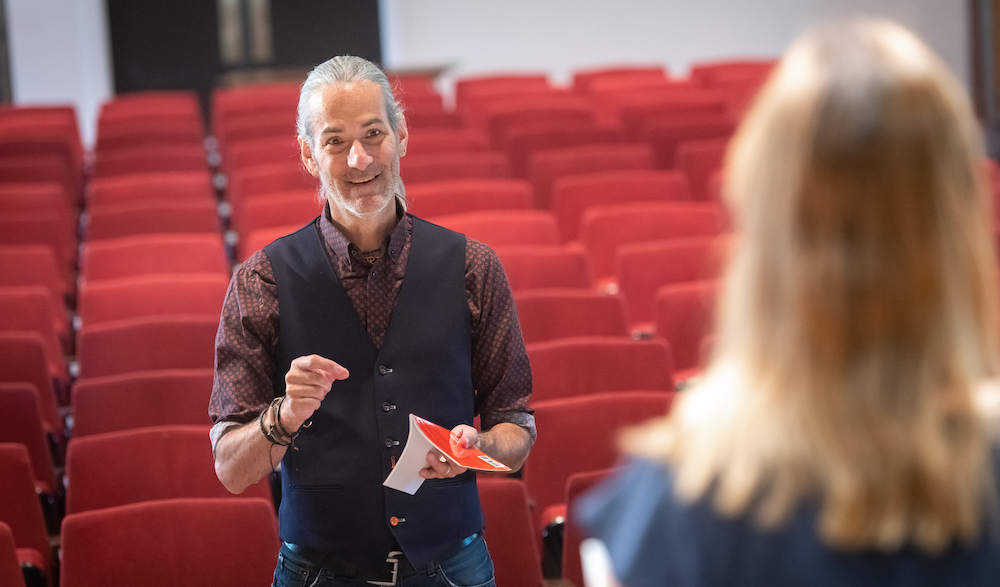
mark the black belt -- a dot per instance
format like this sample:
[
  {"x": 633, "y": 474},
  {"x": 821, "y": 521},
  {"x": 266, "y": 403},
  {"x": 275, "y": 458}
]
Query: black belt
[{"x": 388, "y": 575}]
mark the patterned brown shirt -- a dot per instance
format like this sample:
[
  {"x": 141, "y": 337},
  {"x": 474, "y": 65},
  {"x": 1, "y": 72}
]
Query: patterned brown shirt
[{"x": 248, "y": 332}]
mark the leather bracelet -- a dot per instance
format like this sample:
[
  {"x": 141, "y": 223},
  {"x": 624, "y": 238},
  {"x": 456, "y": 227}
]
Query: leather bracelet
[{"x": 269, "y": 434}]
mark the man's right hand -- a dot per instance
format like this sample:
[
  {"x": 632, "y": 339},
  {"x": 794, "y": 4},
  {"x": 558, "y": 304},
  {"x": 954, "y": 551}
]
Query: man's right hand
[{"x": 306, "y": 384}]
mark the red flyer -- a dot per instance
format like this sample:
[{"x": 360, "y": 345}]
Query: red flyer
[{"x": 424, "y": 436}]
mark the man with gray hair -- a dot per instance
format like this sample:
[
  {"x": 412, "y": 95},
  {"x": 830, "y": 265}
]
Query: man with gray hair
[{"x": 381, "y": 315}]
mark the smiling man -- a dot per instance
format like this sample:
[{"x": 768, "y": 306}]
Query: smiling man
[{"x": 381, "y": 315}]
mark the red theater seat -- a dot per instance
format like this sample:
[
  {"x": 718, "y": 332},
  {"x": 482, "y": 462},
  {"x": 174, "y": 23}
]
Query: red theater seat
[{"x": 189, "y": 541}]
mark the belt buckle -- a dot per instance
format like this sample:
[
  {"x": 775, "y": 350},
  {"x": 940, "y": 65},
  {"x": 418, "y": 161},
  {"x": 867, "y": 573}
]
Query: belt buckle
[{"x": 392, "y": 557}]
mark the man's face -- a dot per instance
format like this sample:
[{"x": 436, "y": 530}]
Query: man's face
[{"x": 355, "y": 153}]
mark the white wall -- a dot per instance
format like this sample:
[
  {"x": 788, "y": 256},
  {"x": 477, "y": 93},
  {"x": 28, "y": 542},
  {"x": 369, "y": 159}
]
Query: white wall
[
  {"x": 60, "y": 49},
  {"x": 558, "y": 36},
  {"x": 60, "y": 53}
]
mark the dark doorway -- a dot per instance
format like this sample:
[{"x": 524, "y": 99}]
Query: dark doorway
[{"x": 308, "y": 32}]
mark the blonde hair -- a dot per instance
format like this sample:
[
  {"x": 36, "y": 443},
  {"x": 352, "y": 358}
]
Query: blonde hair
[{"x": 858, "y": 311}]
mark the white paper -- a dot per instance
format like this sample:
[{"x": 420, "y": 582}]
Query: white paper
[{"x": 405, "y": 476}]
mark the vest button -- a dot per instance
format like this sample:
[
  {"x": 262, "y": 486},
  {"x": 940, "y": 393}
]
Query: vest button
[
  {"x": 386, "y": 406},
  {"x": 389, "y": 443},
  {"x": 384, "y": 370},
  {"x": 394, "y": 521}
]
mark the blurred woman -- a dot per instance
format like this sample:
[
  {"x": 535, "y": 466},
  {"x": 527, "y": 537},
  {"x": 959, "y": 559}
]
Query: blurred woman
[{"x": 840, "y": 433}]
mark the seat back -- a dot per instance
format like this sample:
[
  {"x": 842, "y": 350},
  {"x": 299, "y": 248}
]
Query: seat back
[
  {"x": 23, "y": 359},
  {"x": 560, "y": 313},
  {"x": 156, "y": 253},
  {"x": 698, "y": 160},
  {"x": 454, "y": 165},
  {"x": 150, "y": 158},
  {"x": 510, "y": 532},
  {"x": 144, "y": 464},
  {"x": 684, "y": 315},
  {"x": 152, "y": 217},
  {"x": 20, "y": 507},
  {"x": 642, "y": 268},
  {"x": 33, "y": 265},
  {"x": 574, "y": 194},
  {"x": 192, "y": 541},
  {"x": 594, "y": 422},
  {"x": 140, "y": 400},
  {"x": 167, "y": 186},
  {"x": 10, "y": 568},
  {"x": 576, "y": 485},
  {"x": 605, "y": 228},
  {"x": 504, "y": 227},
  {"x": 147, "y": 343},
  {"x": 547, "y": 165},
  {"x": 545, "y": 267},
  {"x": 457, "y": 196},
  {"x": 154, "y": 294},
  {"x": 20, "y": 405},
  {"x": 569, "y": 367}
]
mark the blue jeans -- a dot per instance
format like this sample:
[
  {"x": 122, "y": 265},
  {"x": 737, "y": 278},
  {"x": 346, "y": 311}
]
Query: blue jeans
[{"x": 469, "y": 567}]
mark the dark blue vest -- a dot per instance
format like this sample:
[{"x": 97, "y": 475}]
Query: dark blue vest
[{"x": 332, "y": 494}]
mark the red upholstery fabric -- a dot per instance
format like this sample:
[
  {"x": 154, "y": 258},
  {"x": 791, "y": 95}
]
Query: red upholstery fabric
[
  {"x": 38, "y": 197},
  {"x": 46, "y": 227},
  {"x": 263, "y": 151},
  {"x": 139, "y": 400},
  {"x": 16, "y": 167},
  {"x": 571, "y": 367},
  {"x": 453, "y": 165},
  {"x": 10, "y": 568},
  {"x": 545, "y": 166},
  {"x": 20, "y": 507},
  {"x": 144, "y": 464},
  {"x": 154, "y": 294},
  {"x": 593, "y": 421},
  {"x": 468, "y": 89},
  {"x": 684, "y": 315},
  {"x": 642, "y": 268},
  {"x": 147, "y": 343},
  {"x": 158, "y": 253},
  {"x": 22, "y": 265},
  {"x": 637, "y": 115},
  {"x": 252, "y": 126},
  {"x": 501, "y": 116},
  {"x": 521, "y": 140},
  {"x": 126, "y": 130},
  {"x": 23, "y": 360},
  {"x": 666, "y": 134},
  {"x": 261, "y": 179},
  {"x": 544, "y": 267},
  {"x": 572, "y": 195},
  {"x": 193, "y": 541},
  {"x": 150, "y": 158},
  {"x": 32, "y": 309},
  {"x": 698, "y": 160},
  {"x": 585, "y": 80},
  {"x": 456, "y": 196},
  {"x": 576, "y": 485},
  {"x": 168, "y": 186},
  {"x": 560, "y": 313},
  {"x": 605, "y": 228},
  {"x": 153, "y": 217},
  {"x": 259, "y": 239},
  {"x": 442, "y": 140},
  {"x": 275, "y": 209},
  {"x": 504, "y": 227},
  {"x": 19, "y": 403},
  {"x": 510, "y": 532}
]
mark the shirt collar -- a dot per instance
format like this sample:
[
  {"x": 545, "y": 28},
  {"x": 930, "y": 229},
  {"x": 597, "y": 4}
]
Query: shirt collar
[{"x": 338, "y": 245}]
